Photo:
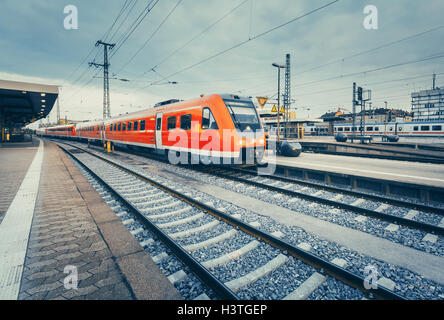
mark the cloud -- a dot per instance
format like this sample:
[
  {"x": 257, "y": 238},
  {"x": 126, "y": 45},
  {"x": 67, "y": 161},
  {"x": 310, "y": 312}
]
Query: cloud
[{"x": 35, "y": 45}]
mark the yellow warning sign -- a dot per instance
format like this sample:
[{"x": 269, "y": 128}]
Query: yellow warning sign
[
  {"x": 274, "y": 109},
  {"x": 262, "y": 101}
]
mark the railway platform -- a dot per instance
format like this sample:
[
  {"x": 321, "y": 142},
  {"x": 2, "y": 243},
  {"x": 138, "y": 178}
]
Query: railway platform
[
  {"x": 427, "y": 174},
  {"x": 60, "y": 240}
]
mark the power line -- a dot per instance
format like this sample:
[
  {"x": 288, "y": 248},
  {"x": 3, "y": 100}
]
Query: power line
[
  {"x": 127, "y": 2},
  {"x": 115, "y": 32},
  {"x": 371, "y": 50},
  {"x": 134, "y": 26},
  {"x": 251, "y": 39},
  {"x": 124, "y": 19},
  {"x": 364, "y": 52},
  {"x": 197, "y": 36},
  {"x": 367, "y": 84},
  {"x": 92, "y": 49},
  {"x": 434, "y": 56},
  {"x": 151, "y": 36}
]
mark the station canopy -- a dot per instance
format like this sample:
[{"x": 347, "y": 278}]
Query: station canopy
[{"x": 23, "y": 103}]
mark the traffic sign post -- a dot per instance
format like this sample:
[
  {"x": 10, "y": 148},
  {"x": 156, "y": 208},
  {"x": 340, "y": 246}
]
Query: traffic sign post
[{"x": 262, "y": 101}]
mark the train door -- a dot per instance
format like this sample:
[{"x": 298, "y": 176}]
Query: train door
[{"x": 158, "y": 131}]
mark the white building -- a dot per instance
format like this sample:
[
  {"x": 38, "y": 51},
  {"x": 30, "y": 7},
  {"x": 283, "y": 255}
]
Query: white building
[{"x": 428, "y": 105}]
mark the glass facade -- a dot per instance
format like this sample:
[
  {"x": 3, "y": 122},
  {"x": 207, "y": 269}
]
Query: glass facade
[{"x": 428, "y": 105}]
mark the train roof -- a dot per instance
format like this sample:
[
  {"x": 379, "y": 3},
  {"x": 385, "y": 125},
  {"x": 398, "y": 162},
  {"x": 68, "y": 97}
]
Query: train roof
[
  {"x": 159, "y": 108},
  {"x": 391, "y": 123},
  {"x": 61, "y": 126}
]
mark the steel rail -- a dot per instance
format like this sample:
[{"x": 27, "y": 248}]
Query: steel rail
[
  {"x": 328, "y": 267},
  {"x": 354, "y": 193},
  {"x": 367, "y": 212},
  {"x": 200, "y": 271}
]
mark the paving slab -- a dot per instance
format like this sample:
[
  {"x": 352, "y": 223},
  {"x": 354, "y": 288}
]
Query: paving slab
[{"x": 428, "y": 265}]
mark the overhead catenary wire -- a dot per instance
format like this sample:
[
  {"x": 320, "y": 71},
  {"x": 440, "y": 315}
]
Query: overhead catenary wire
[
  {"x": 150, "y": 37},
  {"x": 123, "y": 38},
  {"x": 196, "y": 36},
  {"x": 124, "y": 7},
  {"x": 149, "y": 7},
  {"x": 93, "y": 48},
  {"x": 362, "y": 52},
  {"x": 371, "y": 50},
  {"x": 368, "y": 84},
  {"x": 128, "y": 12},
  {"x": 432, "y": 57}
]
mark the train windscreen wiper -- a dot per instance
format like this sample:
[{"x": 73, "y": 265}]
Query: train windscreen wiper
[{"x": 234, "y": 116}]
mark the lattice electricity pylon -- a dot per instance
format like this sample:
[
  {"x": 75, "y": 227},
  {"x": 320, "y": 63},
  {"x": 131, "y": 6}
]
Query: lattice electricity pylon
[
  {"x": 287, "y": 95},
  {"x": 105, "y": 66}
]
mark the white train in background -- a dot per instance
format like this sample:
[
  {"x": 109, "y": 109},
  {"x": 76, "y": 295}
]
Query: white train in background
[{"x": 402, "y": 129}]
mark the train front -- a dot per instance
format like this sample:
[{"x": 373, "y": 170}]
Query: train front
[{"x": 249, "y": 136}]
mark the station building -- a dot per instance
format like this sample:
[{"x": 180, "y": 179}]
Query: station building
[
  {"x": 22, "y": 103},
  {"x": 428, "y": 105}
]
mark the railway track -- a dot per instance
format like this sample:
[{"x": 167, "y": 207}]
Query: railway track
[
  {"x": 354, "y": 203},
  {"x": 349, "y": 208},
  {"x": 226, "y": 254}
]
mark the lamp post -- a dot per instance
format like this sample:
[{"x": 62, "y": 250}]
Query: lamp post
[
  {"x": 279, "y": 66},
  {"x": 386, "y": 118}
]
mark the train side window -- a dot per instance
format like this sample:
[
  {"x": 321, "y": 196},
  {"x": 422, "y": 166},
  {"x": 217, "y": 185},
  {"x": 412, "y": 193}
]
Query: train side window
[
  {"x": 415, "y": 128},
  {"x": 208, "y": 121},
  {"x": 425, "y": 128},
  {"x": 171, "y": 123},
  {"x": 340, "y": 129},
  {"x": 129, "y": 125},
  {"x": 123, "y": 126},
  {"x": 436, "y": 128},
  {"x": 119, "y": 127},
  {"x": 185, "y": 122},
  {"x": 158, "y": 123},
  {"x": 369, "y": 128},
  {"x": 136, "y": 125},
  {"x": 376, "y": 128},
  {"x": 111, "y": 127},
  {"x": 347, "y": 129},
  {"x": 400, "y": 129},
  {"x": 142, "y": 125}
]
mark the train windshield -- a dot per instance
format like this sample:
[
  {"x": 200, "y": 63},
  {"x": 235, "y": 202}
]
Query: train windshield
[{"x": 244, "y": 115}]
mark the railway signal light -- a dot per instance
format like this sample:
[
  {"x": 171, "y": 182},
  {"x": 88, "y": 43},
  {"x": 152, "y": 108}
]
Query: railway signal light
[{"x": 359, "y": 93}]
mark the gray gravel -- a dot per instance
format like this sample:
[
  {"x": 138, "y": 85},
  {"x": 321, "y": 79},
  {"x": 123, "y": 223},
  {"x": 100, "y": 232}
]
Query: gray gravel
[{"x": 409, "y": 284}]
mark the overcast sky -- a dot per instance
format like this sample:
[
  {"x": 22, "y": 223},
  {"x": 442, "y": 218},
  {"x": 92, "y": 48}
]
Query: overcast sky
[{"x": 323, "y": 46}]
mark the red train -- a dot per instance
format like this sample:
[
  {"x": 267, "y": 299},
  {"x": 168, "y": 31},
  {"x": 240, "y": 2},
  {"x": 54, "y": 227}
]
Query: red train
[{"x": 215, "y": 128}]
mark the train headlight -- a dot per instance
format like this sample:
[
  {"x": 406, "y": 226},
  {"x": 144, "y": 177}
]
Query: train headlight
[{"x": 242, "y": 142}]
